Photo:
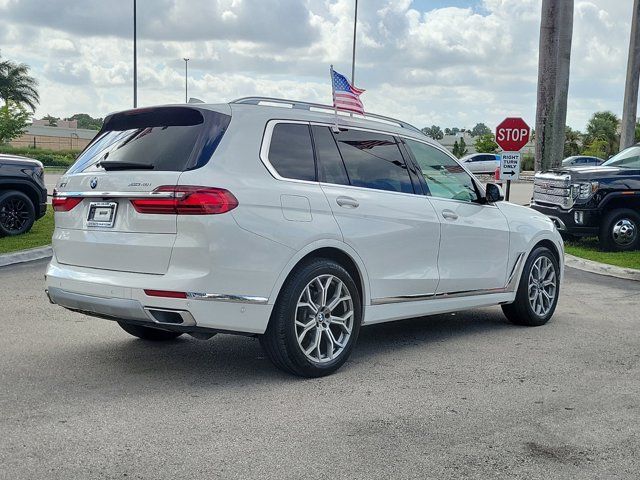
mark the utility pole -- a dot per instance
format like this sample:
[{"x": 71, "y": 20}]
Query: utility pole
[
  {"x": 135, "y": 58},
  {"x": 565, "y": 37},
  {"x": 353, "y": 55},
  {"x": 186, "y": 76},
  {"x": 630, "y": 106},
  {"x": 556, "y": 27}
]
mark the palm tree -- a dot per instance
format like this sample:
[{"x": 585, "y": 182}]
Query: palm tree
[
  {"x": 17, "y": 86},
  {"x": 631, "y": 88}
]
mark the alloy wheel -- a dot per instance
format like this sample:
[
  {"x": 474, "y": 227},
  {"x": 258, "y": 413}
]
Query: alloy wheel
[
  {"x": 14, "y": 214},
  {"x": 542, "y": 286},
  {"x": 324, "y": 318},
  {"x": 624, "y": 232}
]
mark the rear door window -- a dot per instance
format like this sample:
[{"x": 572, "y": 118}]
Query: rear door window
[
  {"x": 157, "y": 139},
  {"x": 373, "y": 160},
  {"x": 330, "y": 166},
  {"x": 291, "y": 151}
]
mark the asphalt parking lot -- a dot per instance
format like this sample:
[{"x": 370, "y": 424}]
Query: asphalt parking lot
[{"x": 450, "y": 396}]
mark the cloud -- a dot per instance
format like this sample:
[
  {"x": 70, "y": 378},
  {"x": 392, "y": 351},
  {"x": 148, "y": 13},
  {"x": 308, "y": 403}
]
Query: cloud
[{"x": 452, "y": 66}]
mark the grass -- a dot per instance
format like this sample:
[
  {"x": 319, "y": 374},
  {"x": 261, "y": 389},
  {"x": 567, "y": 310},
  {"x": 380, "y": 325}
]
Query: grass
[
  {"x": 39, "y": 236},
  {"x": 588, "y": 248}
]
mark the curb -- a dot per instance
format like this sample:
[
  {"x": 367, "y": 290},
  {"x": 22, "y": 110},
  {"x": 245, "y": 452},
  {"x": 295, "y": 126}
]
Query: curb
[
  {"x": 26, "y": 256},
  {"x": 601, "y": 268}
]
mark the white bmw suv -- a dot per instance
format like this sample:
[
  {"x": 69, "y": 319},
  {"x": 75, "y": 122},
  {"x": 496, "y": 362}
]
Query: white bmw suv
[{"x": 260, "y": 217}]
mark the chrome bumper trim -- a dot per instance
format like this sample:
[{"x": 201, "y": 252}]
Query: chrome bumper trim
[{"x": 221, "y": 297}]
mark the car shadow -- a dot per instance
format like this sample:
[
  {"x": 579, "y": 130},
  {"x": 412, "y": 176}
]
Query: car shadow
[{"x": 228, "y": 360}]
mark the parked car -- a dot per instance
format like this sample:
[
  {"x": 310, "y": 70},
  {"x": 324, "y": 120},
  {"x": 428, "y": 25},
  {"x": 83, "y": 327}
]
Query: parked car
[
  {"x": 581, "y": 161},
  {"x": 278, "y": 224},
  {"x": 602, "y": 200},
  {"x": 482, "y": 162},
  {"x": 23, "y": 194}
]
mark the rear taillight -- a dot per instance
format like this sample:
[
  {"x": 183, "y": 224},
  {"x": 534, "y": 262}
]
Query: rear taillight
[
  {"x": 64, "y": 204},
  {"x": 187, "y": 200}
]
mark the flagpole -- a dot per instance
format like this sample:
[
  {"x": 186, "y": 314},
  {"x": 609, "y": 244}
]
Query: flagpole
[
  {"x": 333, "y": 97},
  {"x": 353, "y": 54}
]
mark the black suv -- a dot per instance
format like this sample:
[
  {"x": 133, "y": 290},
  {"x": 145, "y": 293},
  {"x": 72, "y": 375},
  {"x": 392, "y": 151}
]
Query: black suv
[
  {"x": 23, "y": 194},
  {"x": 602, "y": 200}
]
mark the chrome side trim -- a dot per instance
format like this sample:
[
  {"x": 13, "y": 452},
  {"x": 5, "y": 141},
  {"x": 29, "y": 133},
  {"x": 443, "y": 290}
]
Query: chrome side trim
[
  {"x": 559, "y": 223},
  {"x": 402, "y": 298},
  {"x": 510, "y": 287},
  {"x": 93, "y": 193},
  {"x": 221, "y": 297},
  {"x": 516, "y": 272}
]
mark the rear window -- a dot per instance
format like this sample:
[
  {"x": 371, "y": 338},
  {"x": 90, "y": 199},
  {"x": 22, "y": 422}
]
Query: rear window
[
  {"x": 291, "y": 152},
  {"x": 158, "y": 139}
]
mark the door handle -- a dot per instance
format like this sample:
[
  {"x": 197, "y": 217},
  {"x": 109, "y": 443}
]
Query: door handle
[
  {"x": 347, "y": 202},
  {"x": 449, "y": 215}
]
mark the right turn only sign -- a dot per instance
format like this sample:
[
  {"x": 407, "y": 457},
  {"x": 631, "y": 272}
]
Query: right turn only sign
[{"x": 510, "y": 166}]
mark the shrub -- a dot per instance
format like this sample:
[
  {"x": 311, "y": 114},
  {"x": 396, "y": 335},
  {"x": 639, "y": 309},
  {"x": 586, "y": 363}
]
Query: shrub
[{"x": 49, "y": 158}]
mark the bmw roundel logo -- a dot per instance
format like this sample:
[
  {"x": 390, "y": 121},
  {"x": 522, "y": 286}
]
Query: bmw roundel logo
[{"x": 94, "y": 182}]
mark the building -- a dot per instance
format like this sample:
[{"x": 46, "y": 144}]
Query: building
[
  {"x": 59, "y": 123},
  {"x": 55, "y": 138}
]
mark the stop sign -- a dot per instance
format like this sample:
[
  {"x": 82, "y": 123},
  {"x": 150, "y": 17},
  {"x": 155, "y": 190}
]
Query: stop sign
[{"x": 512, "y": 134}]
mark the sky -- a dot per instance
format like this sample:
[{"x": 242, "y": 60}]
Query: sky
[{"x": 443, "y": 62}]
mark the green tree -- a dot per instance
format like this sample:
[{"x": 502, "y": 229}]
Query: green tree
[
  {"x": 480, "y": 129},
  {"x": 87, "y": 121},
  {"x": 51, "y": 120},
  {"x": 434, "y": 132},
  {"x": 17, "y": 86},
  {"x": 637, "y": 132},
  {"x": 486, "y": 144},
  {"x": 462, "y": 148},
  {"x": 572, "y": 140},
  {"x": 456, "y": 149},
  {"x": 447, "y": 131},
  {"x": 13, "y": 122},
  {"x": 603, "y": 126},
  {"x": 597, "y": 148}
]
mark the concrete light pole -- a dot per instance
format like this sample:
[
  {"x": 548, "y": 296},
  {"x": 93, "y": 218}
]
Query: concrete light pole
[
  {"x": 135, "y": 58},
  {"x": 353, "y": 53},
  {"x": 186, "y": 76},
  {"x": 630, "y": 106}
]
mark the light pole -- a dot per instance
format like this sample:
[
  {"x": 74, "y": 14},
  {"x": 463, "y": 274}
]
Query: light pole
[
  {"x": 353, "y": 55},
  {"x": 186, "y": 72},
  {"x": 135, "y": 59}
]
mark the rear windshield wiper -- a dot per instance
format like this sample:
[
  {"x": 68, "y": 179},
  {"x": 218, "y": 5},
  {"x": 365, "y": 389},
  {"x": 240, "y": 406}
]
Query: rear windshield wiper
[{"x": 116, "y": 165}]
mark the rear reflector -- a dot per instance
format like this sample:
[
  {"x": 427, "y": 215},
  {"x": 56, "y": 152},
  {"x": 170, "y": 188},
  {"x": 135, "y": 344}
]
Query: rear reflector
[
  {"x": 64, "y": 204},
  {"x": 165, "y": 293},
  {"x": 187, "y": 200}
]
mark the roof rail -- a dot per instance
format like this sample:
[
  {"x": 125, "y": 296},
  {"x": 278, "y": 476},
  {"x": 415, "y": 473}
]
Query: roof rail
[{"x": 308, "y": 106}]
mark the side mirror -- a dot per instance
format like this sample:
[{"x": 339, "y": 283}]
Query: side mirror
[{"x": 493, "y": 193}]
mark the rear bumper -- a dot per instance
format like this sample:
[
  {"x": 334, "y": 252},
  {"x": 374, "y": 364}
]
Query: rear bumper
[
  {"x": 565, "y": 220},
  {"x": 114, "y": 296}
]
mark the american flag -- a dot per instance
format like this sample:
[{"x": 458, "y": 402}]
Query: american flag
[{"x": 346, "y": 96}]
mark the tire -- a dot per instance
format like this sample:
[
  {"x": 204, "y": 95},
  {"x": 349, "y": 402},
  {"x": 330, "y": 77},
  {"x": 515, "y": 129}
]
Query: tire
[
  {"x": 620, "y": 230},
  {"x": 149, "y": 333},
  {"x": 521, "y": 311},
  {"x": 17, "y": 213},
  {"x": 333, "y": 329}
]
